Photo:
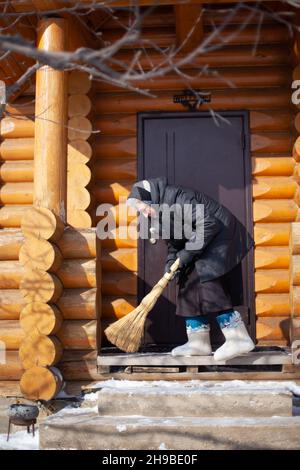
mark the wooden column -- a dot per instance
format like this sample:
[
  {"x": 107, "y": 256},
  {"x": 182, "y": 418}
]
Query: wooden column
[
  {"x": 43, "y": 225},
  {"x": 50, "y": 145}
]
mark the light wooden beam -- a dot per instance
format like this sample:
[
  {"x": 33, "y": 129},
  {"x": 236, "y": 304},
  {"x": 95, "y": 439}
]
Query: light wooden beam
[
  {"x": 50, "y": 142},
  {"x": 189, "y": 26}
]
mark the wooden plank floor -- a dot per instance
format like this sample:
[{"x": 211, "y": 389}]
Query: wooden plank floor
[{"x": 166, "y": 359}]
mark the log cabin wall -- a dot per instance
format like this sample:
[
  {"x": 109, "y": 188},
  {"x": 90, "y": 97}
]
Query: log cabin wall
[{"x": 262, "y": 77}]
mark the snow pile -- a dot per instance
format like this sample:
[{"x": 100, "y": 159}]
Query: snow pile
[
  {"x": 20, "y": 440},
  {"x": 191, "y": 386}
]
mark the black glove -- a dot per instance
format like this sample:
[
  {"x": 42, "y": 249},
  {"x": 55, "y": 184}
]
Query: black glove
[
  {"x": 185, "y": 257},
  {"x": 168, "y": 268}
]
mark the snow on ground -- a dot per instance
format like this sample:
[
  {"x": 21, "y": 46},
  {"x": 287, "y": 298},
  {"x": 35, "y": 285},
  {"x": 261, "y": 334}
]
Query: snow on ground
[
  {"x": 163, "y": 386},
  {"x": 20, "y": 440}
]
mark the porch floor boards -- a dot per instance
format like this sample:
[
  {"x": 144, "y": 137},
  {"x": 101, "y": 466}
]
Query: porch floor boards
[{"x": 145, "y": 359}]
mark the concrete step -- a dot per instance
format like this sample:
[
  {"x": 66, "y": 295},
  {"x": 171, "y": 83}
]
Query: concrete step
[
  {"x": 195, "y": 399},
  {"x": 86, "y": 430}
]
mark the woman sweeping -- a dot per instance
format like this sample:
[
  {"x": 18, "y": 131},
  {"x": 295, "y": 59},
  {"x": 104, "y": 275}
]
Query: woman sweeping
[{"x": 202, "y": 290}]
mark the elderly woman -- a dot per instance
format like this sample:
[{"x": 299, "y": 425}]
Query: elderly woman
[{"x": 202, "y": 290}]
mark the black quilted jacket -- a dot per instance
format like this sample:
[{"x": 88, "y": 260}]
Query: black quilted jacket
[{"x": 226, "y": 240}]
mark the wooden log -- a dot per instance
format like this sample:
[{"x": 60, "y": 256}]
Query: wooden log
[
  {"x": 40, "y": 222},
  {"x": 228, "y": 55},
  {"x": 21, "y": 107},
  {"x": 106, "y": 147},
  {"x": 11, "y": 127},
  {"x": 265, "y": 121},
  {"x": 40, "y": 286},
  {"x": 164, "y": 37},
  {"x": 295, "y": 270},
  {"x": 16, "y": 171},
  {"x": 79, "y": 218},
  {"x": 41, "y": 383},
  {"x": 120, "y": 215},
  {"x": 79, "y": 105},
  {"x": 118, "y": 283},
  {"x": 81, "y": 365},
  {"x": 111, "y": 192},
  {"x": 117, "y": 307},
  {"x": 11, "y": 334},
  {"x": 17, "y": 149},
  {"x": 16, "y": 193},
  {"x": 11, "y": 303},
  {"x": 274, "y": 187},
  {"x": 120, "y": 238},
  {"x": 271, "y": 142},
  {"x": 73, "y": 303},
  {"x": 10, "y": 243},
  {"x": 39, "y": 350},
  {"x": 229, "y": 99},
  {"x": 78, "y": 273},
  {"x": 78, "y": 198},
  {"x": 78, "y": 304},
  {"x": 78, "y": 334},
  {"x": 189, "y": 26},
  {"x": 11, "y": 274},
  {"x": 78, "y": 175},
  {"x": 296, "y": 150},
  {"x": 76, "y": 243},
  {"x": 11, "y": 369},
  {"x": 124, "y": 259},
  {"x": 272, "y": 280},
  {"x": 296, "y": 73},
  {"x": 116, "y": 169},
  {"x": 276, "y": 257},
  {"x": 295, "y": 300},
  {"x": 295, "y": 239},
  {"x": 297, "y": 122},
  {"x": 10, "y": 216},
  {"x": 78, "y": 82},
  {"x": 273, "y": 166},
  {"x": 79, "y": 151},
  {"x": 79, "y": 127},
  {"x": 280, "y": 210},
  {"x": 10, "y": 388},
  {"x": 272, "y": 305},
  {"x": 46, "y": 319},
  {"x": 74, "y": 334},
  {"x": 294, "y": 277},
  {"x": 50, "y": 155},
  {"x": 271, "y": 234},
  {"x": 273, "y": 329},
  {"x": 38, "y": 253},
  {"x": 166, "y": 17},
  {"x": 238, "y": 77}
]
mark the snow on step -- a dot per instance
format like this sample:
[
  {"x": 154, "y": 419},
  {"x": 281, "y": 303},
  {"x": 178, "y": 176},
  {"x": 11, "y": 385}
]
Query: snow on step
[
  {"x": 195, "y": 398},
  {"x": 88, "y": 431}
]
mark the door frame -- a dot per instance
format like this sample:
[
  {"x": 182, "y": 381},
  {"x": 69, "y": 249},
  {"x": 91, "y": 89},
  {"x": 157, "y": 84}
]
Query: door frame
[{"x": 245, "y": 145}]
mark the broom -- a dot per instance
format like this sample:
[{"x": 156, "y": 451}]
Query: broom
[{"x": 127, "y": 332}]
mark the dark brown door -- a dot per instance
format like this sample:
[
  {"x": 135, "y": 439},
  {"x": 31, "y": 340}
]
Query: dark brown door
[{"x": 192, "y": 151}]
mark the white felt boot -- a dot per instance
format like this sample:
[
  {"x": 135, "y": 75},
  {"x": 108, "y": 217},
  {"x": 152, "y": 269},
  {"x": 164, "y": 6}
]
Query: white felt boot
[
  {"x": 237, "y": 338},
  {"x": 198, "y": 343}
]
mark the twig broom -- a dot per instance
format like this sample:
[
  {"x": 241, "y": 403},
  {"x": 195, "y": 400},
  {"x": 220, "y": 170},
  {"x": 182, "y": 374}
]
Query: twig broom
[{"x": 127, "y": 332}]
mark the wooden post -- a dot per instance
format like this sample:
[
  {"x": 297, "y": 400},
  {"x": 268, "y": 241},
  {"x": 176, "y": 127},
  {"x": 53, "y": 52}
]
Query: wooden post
[
  {"x": 50, "y": 143},
  {"x": 44, "y": 223}
]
